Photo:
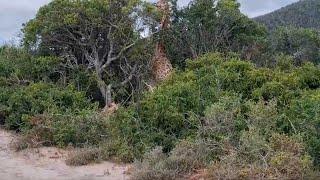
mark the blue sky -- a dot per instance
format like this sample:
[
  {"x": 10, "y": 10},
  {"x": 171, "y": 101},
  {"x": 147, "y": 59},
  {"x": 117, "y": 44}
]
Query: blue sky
[{"x": 15, "y": 12}]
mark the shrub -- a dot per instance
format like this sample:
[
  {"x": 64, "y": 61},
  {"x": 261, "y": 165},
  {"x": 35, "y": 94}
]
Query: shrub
[
  {"x": 168, "y": 108},
  {"x": 284, "y": 63},
  {"x": 241, "y": 121},
  {"x": 164, "y": 115},
  {"x": 309, "y": 76},
  {"x": 85, "y": 157},
  {"x": 223, "y": 119},
  {"x": 168, "y": 113},
  {"x": 234, "y": 76},
  {"x": 215, "y": 98},
  {"x": 17, "y": 63},
  {"x": 41, "y": 98},
  {"x": 86, "y": 128},
  {"x": 153, "y": 167},
  {"x": 302, "y": 117},
  {"x": 127, "y": 134},
  {"x": 270, "y": 90},
  {"x": 262, "y": 114},
  {"x": 189, "y": 155},
  {"x": 276, "y": 159},
  {"x": 37, "y": 69},
  {"x": 253, "y": 147},
  {"x": 24, "y": 142},
  {"x": 290, "y": 159},
  {"x": 5, "y": 68},
  {"x": 182, "y": 161}
]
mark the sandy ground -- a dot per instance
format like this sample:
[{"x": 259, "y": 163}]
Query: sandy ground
[{"x": 49, "y": 164}]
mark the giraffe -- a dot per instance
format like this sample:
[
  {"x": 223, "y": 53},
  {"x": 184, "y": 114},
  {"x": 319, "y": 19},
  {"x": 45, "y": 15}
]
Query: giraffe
[{"x": 161, "y": 65}]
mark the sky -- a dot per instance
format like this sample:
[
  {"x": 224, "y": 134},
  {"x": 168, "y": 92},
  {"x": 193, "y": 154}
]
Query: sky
[{"x": 13, "y": 13}]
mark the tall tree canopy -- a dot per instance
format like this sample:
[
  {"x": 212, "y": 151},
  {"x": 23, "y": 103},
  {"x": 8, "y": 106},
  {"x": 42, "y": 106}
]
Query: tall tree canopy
[
  {"x": 96, "y": 33},
  {"x": 213, "y": 25}
]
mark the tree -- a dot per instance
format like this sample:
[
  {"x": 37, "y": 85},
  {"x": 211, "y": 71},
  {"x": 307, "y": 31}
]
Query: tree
[
  {"x": 96, "y": 33},
  {"x": 213, "y": 25}
]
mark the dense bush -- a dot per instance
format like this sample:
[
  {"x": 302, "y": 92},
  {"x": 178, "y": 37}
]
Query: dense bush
[
  {"x": 227, "y": 103},
  {"x": 40, "y": 98},
  {"x": 302, "y": 117},
  {"x": 221, "y": 113},
  {"x": 186, "y": 157},
  {"x": 34, "y": 100},
  {"x": 81, "y": 128},
  {"x": 279, "y": 158},
  {"x": 215, "y": 117},
  {"x": 20, "y": 66},
  {"x": 259, "y": 152},
  {"x": 170, "y": 112}
]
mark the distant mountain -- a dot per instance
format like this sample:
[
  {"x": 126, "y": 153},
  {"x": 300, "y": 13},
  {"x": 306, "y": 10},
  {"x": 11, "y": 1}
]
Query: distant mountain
[{"x": 305, "y": 14}]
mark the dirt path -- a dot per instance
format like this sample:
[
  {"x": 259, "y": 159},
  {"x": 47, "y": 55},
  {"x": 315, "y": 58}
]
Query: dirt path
[{"x": 49, "y": 163}]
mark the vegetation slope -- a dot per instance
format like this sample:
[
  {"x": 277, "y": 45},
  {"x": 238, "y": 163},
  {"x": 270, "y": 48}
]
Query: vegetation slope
[{"x": 304, "y": 13}]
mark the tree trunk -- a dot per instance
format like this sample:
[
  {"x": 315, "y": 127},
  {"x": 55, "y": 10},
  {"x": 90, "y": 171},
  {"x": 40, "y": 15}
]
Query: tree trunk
[
  {"x": 105, "y": 90},
  {"x": 108, "y": 98}
]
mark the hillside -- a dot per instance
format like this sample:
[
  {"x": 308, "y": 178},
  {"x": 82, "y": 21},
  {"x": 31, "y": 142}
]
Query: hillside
[{"x": 305, "y": 13}]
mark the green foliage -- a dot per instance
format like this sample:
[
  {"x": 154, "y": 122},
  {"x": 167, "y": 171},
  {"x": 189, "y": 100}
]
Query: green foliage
[
  {"x": 40, "y": 98},
  {"x": 309, "y": 76},
  {"x": 84, "y": 128},
  {"x": 167, "y": 114},
  {"x": 170, "y": 106},
  {"x": 302, "y": 44},
  {"x": 284, "y": 62},
  {"x": 98, "y": 41},
  {"x": 212, "y": 25},
  {"x": 223, "y": 119},
  {"x": 80, "y": 129},
  {"x": 281, "y": 158},
  {"x": 19, "y": 67},
  {"x": 39, "y": 68},
  {"x": 222, "y": 100},
  {"x": 218, "y": 100},
  {"x": 302, "y": 117},
  {"x": 293, "y": 31},
  {"x": 270, "y": 90},
  {"x": 263, "y": 114},
  {"x": 215, "y": 111},
  {"x": 59, "y": 15}
]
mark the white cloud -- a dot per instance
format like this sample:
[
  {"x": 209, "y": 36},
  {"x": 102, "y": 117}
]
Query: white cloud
[{"x": 13, "y": 13}]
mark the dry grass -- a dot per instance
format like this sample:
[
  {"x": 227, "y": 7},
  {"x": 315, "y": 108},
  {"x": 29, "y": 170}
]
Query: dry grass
[
  {"x": 282, "y": 158},
  {"x": 182, "y": 162},
  {"x": 27, "y": 141},
  {"x": 85, "y": 157}
]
